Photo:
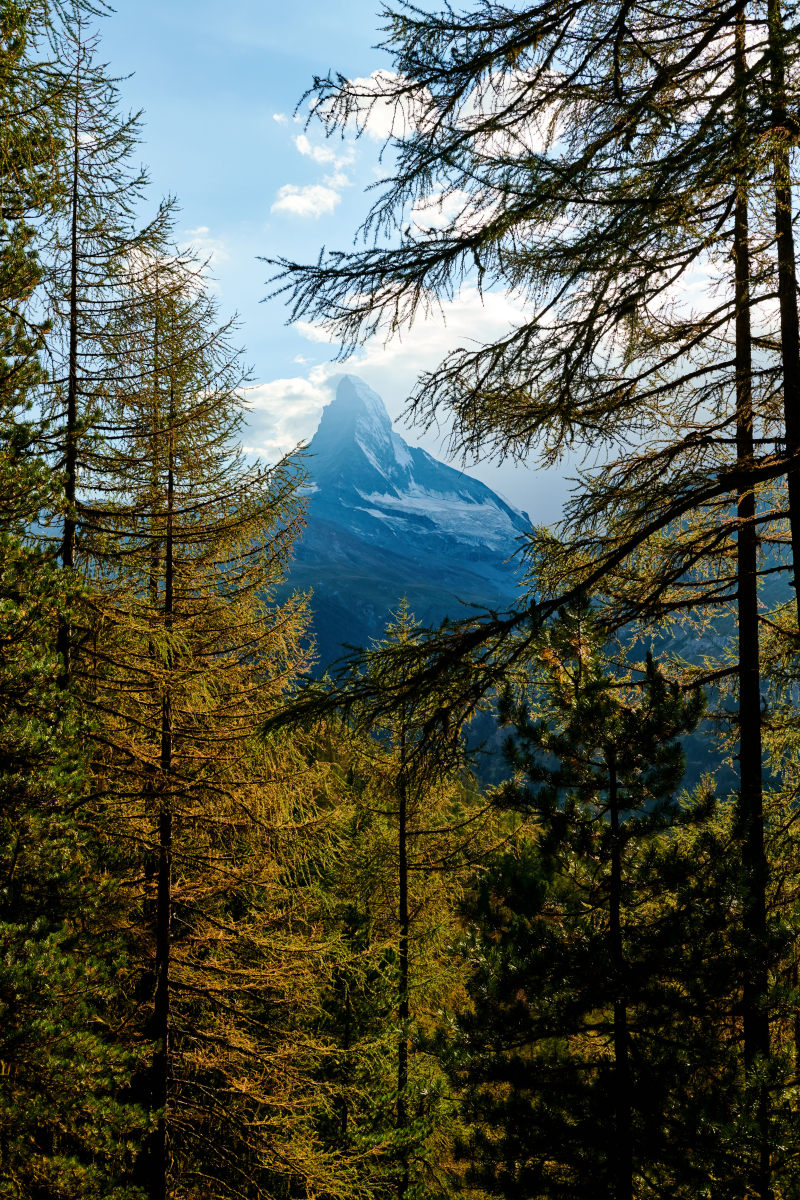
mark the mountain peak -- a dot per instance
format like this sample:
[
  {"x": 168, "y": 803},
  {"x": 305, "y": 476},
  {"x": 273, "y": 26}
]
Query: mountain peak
[
  {"x": 386, "y": 519},
  {"x": 358, "y": 464},
  {"x": 355, "y": 409},
  {"x": 355, "y": 441}
]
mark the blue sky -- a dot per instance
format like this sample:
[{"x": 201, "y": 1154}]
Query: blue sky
[{"x": 218, "y": 81}]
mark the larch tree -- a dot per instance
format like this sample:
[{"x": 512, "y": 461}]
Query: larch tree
[
  {"x": 93, "y": 246},
  {"x": 434, "y": 831},
  {"x": 190, "y": 654},
  {"x": 411, "y": 825},
  {"x": 66, "y": 1127}
]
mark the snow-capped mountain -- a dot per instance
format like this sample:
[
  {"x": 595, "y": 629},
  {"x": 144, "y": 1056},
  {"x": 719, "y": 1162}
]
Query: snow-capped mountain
[{"x": 387, "y": 520}]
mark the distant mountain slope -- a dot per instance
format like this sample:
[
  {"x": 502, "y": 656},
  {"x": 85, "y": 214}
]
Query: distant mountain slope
[{"x": 386, "y": 520}]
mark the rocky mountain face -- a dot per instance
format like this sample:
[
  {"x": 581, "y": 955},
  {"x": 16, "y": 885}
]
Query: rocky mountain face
[{"x": 387, "y": 520}]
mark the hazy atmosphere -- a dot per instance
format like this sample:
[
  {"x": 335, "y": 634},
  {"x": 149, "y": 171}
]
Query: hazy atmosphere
[{"x": 219, "y": 86}]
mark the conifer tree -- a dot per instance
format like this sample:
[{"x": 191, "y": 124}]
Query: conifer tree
[
  {"x": 426, "y": 841},
  {"x": 65, "y": 1127},
  {"x": 94, "y": 247},
  {"x": 532, "y": 126},
  {"x": 587, "y": 1057},
  {"x": 594, "y": 156},
  {"x": 187, "y": 541},
  {"x": 406, "y": 840}
]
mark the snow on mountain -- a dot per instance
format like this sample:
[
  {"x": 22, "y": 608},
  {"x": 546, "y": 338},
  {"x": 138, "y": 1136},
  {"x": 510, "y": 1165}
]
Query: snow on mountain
[
  {"x": 360, "y": 465},
  {"x": 386, "y": 519}
]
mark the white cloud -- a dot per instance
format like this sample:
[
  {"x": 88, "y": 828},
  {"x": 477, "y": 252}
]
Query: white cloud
[
  {"x": 284, "y": 412},
  {"x": 281, "y": 118},
  {"x": 469, "y": 318},
  {"x": 312, "y": 332},
  {"x": 209, "y": 249},
  {"x": 337, "y": 180},
  {"x": 320, "y": 154},
  {"x": 325, "y": 153},
  {"x": 313, "y": 201},
  {"x": 295, "y": 394}
]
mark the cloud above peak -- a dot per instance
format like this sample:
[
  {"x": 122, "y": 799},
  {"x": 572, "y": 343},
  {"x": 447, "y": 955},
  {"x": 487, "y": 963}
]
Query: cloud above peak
[
  {"x": 313, "y": 201},
  {"x": 324, "y": 154}
]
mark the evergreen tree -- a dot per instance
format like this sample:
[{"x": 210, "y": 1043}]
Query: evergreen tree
[
  {"x": 598, "y": 1055},
  {"x": 409, "y": 827},
  {"x": 65, "y": 1130}
]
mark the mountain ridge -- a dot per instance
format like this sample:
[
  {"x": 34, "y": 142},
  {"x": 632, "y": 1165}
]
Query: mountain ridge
[{"x": 385, "y": 520}]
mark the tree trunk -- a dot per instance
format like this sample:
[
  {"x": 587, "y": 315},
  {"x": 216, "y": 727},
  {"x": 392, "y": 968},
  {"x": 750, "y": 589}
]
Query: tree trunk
[
  {"x": 159, "y": 1157},
  {"x": 787, "y": 281},
  {"x": 794, "y": 980},
  {"x": 346, "y": 1046},
  {"x": 64, "y": 636},
  {"x": 623, "y": 1140},
  {"x": 402, "y": 981},
  {"x": 754, "y": 863}
]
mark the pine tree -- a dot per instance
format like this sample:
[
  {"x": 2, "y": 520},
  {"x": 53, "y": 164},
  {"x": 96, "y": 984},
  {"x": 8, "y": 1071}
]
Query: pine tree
[
  {"x": 587, "y": 1057},
  {"x": 65, "y": 1129}
]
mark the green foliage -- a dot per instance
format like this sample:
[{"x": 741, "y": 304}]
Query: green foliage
[
  {"x": 230, "y": 967},
  {"x": 66, "y": 1128},
  {"x": 65, "y": 1125},
  {"x": 407, "y": 827},
  {"x": 595, "y": 1052}
]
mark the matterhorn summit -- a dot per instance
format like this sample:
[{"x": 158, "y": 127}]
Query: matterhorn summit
[
  {"x": 386, "y": 520},
  {"x": 355, "y": 441}
]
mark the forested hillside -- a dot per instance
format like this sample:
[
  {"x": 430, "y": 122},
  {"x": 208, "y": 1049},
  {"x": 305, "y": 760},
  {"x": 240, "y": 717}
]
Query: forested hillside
[{"x": 263, "y": 935}]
